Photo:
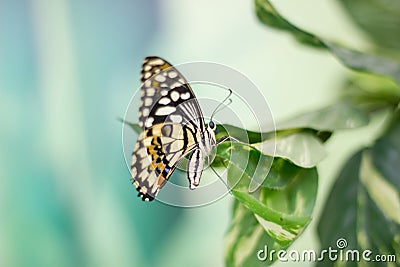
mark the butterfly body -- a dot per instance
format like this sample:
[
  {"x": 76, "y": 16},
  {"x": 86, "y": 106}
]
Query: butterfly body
[
  {"x": 201, "y": 154},
  {"x": 173, "y": 127}
]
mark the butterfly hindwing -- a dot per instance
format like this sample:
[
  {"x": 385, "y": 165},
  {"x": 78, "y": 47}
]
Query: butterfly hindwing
[{"x": 156, "y": 155}]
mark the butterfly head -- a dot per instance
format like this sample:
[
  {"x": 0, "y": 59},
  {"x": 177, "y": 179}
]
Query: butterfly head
[
  {"x": 208, "y": 145},
  {"x": 212, "y": 126},
  {"x": 210, "y": 140},
  {"x": 212, "y": 131}
]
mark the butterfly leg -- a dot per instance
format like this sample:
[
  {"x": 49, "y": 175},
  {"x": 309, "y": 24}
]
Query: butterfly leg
[{"x": 195, "y": 168}]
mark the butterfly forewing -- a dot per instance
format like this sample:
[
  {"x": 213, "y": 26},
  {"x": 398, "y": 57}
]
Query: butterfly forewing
[
  {"x": 172, "y": 124},
  {"x": 163, "y": 91}
]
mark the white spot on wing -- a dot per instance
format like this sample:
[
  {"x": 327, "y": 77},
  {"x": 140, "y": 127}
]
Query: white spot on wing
[
  {"x": 151, "y": 91},
  {"x": 160, "y": 78},
  {"x": 176, "y": 85},
  {"x": 157, "y": 61},
  {"x": 148, "y": 101},
  {"x": 149, "y": 122},
  {"x": 143, "y": 175},
  {"x": 145, "y": 112},
  {"x": 152, "y": 179},
  {"x": 155, "y": 188},
  {"x": 172, "y": 74},
  {"x": 133, "y": 172},
  {"x": 143, "y": 190},
  {"x": 163, "y": 111},
  {"x": 164, "y": 92},
  {"x": 147, "y": 75},
  {"x": 142, "y": 153},
  {"x": 147, "y": 142},
  {"x": 174, "y": 95},
  {"x": 185, "y": 96},
  {"x": 164, "y": 101}
]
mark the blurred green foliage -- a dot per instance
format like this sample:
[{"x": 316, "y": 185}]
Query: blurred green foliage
[{"x": 363, "y": 205}]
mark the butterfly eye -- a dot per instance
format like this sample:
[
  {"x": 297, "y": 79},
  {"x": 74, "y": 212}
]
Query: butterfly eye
[{"x": 211, "y": 124}]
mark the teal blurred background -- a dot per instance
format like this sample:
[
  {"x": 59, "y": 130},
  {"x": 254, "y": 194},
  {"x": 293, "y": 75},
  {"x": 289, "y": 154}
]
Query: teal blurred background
[{"x": 67, "y": 72}]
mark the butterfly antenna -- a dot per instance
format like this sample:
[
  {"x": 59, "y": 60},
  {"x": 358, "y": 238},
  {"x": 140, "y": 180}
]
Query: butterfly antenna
[
  {"x": 222, "y": 107},
  {"x": 222, "y": 180},
  {"x": 217, "y": 109}
]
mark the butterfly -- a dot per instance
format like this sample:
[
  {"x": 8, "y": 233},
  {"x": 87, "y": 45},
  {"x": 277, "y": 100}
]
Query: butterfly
[{"x": 173, "y": 128}]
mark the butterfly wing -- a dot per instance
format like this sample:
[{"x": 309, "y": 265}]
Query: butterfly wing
[
  {"x": 166, "y": 96},
  {"x": 172, "y": 124},
  {"x": 157, "y": 152}
]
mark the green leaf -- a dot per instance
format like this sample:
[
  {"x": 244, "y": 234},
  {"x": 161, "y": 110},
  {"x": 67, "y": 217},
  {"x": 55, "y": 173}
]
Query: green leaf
[
  {"x": 340, "y": 212},
  {"x": 248, "y": 160},
  {"x": 267, "y": 14},
  {"x": 294, "y": 182},
  {"x": 365, "y": 62},
  {"x": 353, "y": 213},
  {"x": 245, "y": 238},
  {"x": 289, "y": 207},
  {"x": 282, "y": 172},
  {"x": 378, "y": 18},
  {"x": 275, "y": 214},
  {"x": 273, "y": 173},
  {"x": 363, "y": 206},
  {"x": 352, "y": 59},
  {"x": 372, "y": 93},
  {"x": 341, "y": 115},
  {"x": 270, "y": 217},
  {"x": 302, "y": 148},
  {"x": 386, "y": 152}
]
